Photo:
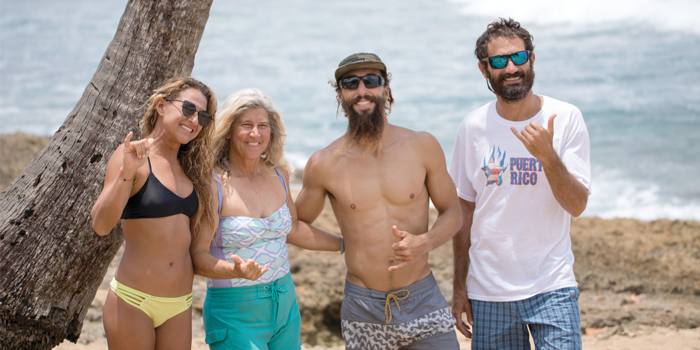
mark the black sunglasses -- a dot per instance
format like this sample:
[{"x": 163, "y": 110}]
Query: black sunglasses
[
  {"x": 188, "y": 110},
  {"x": 501, "y": 61},
  {"x": 370, "y": 81}
]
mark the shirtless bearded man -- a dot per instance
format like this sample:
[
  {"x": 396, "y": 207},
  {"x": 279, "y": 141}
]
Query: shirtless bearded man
[{"x": 379, "y": 179}]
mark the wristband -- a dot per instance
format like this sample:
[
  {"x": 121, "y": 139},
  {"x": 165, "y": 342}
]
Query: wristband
[
  {"x": 342, "y": 245},
  {"x": 120, "y": 175}
]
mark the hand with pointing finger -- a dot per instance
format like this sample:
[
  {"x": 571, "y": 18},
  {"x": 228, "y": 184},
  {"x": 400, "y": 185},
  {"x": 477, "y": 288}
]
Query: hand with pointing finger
[
  {"x": 537, "y": 139},
  {"x": 408, "y": 249}
]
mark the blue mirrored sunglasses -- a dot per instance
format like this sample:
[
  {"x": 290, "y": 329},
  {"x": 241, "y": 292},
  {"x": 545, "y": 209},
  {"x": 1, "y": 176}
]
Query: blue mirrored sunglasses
[{"x": 501, "y": 61}]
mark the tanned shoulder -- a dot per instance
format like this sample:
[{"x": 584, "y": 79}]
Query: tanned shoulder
[
  {"x": 426, "y": 139},
  {"x": 426, "y": 146},
  {"x": 321, "y": 162},
  {"x": 416, "y": 139}
]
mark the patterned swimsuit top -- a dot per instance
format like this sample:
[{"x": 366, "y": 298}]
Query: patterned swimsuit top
[{"x": 261, "y": 239}]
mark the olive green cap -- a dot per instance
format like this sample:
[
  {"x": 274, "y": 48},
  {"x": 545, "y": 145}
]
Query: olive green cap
[{"x": 359, "y": 61}]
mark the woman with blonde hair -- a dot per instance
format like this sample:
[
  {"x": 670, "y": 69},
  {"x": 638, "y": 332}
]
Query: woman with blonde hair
[
  {"x": 159, "y": 187},
  {"x": 256, "y": 220}
]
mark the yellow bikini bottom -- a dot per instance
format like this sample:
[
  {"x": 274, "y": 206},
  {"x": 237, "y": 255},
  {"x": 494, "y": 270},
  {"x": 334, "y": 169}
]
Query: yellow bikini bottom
[{"x": 159, "y": 309}]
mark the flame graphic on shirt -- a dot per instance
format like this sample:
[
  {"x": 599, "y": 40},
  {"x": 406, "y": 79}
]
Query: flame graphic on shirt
[{"x": 493, "y": 172}]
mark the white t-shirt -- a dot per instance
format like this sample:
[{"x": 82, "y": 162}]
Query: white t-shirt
[{"x": 520, "y": 243}]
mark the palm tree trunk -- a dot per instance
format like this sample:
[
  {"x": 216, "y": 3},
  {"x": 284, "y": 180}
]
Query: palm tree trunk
[{"x": 51, "y": 260}]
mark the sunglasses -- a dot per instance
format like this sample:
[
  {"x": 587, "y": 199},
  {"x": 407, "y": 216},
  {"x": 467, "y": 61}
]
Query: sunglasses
[
  {"x": 188, "y": 110},
  {"x": 501, "y": 61},
  {"x": 370, "y": 81}
]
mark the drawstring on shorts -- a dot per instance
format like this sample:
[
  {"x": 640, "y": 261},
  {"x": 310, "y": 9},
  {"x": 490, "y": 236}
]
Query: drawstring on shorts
[{"x": 387, "y": 304}]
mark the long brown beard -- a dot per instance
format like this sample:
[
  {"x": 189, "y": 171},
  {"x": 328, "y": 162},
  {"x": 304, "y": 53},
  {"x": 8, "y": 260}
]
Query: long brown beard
[
  {"x": 365, "y": 128},
  {"x": 513, "y": 92}
]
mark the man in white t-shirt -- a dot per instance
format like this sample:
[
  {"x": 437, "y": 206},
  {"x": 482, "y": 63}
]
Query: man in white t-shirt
[{"x": 521, "y": 165}]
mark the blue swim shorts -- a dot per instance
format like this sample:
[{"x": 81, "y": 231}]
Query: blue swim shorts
[
  {"x": 259, "y": 317},
  {"x": 553, "y": 318}
]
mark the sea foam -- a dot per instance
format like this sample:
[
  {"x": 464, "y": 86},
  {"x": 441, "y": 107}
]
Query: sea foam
[{"x": 667, "y": 15}]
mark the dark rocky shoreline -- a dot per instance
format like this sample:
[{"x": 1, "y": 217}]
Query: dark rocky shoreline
[{"x": 632, "y": 274}]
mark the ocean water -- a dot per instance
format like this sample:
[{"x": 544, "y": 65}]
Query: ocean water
[{"x": 632, "y": 68}]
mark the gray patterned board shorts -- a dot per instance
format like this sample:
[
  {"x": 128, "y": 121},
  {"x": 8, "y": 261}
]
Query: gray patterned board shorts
[{"x": 413, "y": 317}]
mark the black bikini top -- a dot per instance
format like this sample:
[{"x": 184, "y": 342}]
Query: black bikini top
[{"x": 154, "y": 200}]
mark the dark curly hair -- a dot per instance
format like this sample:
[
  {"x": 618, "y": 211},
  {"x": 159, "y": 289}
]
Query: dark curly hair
[{"x": 502, "y": 27}]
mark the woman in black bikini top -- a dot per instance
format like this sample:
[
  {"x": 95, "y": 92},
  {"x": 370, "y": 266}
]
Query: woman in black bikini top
[{"x": 162, "y": 206}]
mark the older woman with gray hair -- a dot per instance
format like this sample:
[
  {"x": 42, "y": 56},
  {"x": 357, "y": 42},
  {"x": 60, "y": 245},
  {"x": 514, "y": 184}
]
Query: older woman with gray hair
[{"x": 256, "y": 220}]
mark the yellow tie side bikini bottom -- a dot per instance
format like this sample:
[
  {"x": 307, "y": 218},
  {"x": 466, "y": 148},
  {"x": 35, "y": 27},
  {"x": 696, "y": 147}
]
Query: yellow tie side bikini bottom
[{"x": 159, "y": 309}]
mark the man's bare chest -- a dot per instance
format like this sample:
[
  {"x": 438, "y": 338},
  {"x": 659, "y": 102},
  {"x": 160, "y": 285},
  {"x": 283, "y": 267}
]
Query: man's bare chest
[{"x": 366, "y": 185}]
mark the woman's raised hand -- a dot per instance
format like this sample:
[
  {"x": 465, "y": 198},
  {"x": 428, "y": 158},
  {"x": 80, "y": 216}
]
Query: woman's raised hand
[{"x": 135, "y": 154}]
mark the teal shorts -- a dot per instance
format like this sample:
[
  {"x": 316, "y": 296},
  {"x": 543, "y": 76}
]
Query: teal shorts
[{"x": 264, "y": 316}]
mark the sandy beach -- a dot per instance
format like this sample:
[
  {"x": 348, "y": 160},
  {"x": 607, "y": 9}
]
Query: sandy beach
[{"x": 639, "y": 281}]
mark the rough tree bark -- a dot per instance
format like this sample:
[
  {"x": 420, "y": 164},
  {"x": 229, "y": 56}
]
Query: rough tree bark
[{"x": 51, "y": 260}]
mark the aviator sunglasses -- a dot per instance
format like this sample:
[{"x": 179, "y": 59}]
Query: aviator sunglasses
[
  {"x": 188, "y": 109},
  {"x": 370, "y": 81},
  {"x": 501, "y": 61}
]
